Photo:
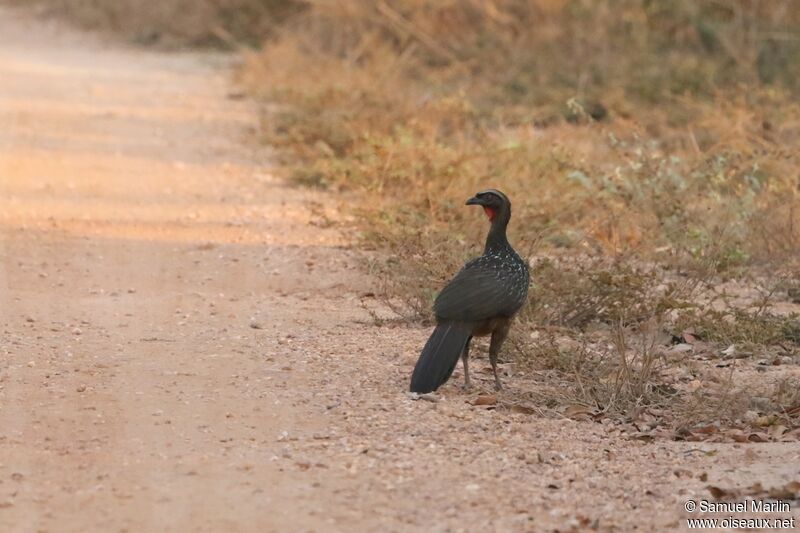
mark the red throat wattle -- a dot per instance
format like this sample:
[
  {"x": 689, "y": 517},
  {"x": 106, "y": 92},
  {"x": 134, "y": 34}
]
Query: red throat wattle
[{"x": 489, "y": 213}]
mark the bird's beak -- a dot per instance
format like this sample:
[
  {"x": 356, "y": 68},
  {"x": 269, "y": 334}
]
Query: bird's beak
[{"x": 474, "y": 201}]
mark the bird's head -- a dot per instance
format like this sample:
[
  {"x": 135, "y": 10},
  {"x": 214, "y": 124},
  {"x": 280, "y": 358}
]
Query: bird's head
[{"x": 493, "y": 202}]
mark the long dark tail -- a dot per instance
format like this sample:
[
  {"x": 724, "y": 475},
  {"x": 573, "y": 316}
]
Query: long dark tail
[{"x": 439, "y": 356}]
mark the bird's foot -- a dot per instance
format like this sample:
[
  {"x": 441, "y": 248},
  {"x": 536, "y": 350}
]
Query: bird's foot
[{"x": 497, "y": 385}]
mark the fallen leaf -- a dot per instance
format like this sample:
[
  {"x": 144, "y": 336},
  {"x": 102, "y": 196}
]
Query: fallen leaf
[
  {"x": 577, "y": 412},
  {"x": 719, "y": 493},
  {"x": 793, "y": 486},
  {"x": 485, "y": 399},
  {"x": 700, "y": 433},
  {"x": 522, "y": 409},
  {"x": 757, "y": 437},
  {"x": 792, "y": 435},
  {"x": 775, "y": 432},
  {"x": 737, "y": 435}
]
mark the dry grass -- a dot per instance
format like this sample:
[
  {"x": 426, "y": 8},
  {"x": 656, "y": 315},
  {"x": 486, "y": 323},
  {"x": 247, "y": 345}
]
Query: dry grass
[
  {"x": 650, "y": 151},
  {"x": 173, "y": 23},
  {"x": 373, "y": 102}
]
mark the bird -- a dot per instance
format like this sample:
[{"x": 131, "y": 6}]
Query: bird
[{"x": 480, "y": 300}]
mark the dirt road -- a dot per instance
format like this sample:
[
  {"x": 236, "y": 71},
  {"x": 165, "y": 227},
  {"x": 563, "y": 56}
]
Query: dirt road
[
  {"x": 141, "y": 241},
  {"x": 184, "y": 345}
]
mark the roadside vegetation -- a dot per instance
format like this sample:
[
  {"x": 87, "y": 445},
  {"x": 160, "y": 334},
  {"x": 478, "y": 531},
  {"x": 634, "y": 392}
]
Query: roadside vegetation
[
  {"x": 172, "y": 23},
  {"x": 651, "y": 151}
]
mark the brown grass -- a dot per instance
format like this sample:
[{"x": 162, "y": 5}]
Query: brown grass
[
  {"x": 650, "y": 151},
  {"x": 173, "y": 23}
]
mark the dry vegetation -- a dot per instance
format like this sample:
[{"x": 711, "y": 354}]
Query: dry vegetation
[
  {"x": 650, "y": 150},
  {"x": 172, "y": 23}
]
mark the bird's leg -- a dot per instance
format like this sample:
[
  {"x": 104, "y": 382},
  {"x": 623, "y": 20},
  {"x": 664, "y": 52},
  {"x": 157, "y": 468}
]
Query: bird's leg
[
  {"x": 464, "y": 359},
  {"x": 498, "y": 336}
]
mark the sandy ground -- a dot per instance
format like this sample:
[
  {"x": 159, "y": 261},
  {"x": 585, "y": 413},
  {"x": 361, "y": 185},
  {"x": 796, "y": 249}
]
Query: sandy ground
[{"x": 185, "y": 347}]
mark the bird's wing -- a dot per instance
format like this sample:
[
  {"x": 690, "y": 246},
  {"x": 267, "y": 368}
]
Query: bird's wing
[{"x": 477, "y": 292}]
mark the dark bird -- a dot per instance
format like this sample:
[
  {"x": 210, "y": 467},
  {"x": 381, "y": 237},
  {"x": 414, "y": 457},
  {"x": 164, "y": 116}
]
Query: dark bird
[{"x": 480, "y": 300}]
